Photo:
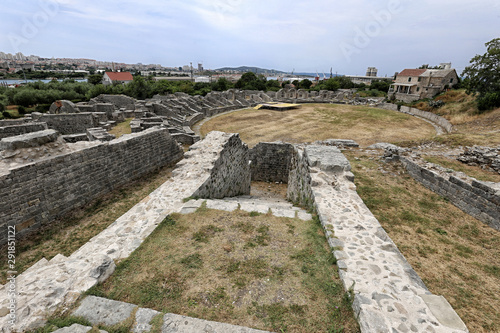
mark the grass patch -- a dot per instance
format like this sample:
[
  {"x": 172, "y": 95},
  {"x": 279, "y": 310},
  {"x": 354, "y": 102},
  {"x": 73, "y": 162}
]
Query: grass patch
[
  {"x": 76, "y": 229},
  {"x": 121, "y": 128},
  {"x": 314, "y": 122},
  {"x": 441, "y": 242},
  {"x": 223, "y": 279}
]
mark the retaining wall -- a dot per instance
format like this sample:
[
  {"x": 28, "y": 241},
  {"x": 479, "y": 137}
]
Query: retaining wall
[
  {"x": 35, "y": 194},
  {"x": 230, "y": 175},
  {"x": 475, "y": 198},
  {"x": 19, "y": 129},
  {"x": 51, "y": 285},
  {"x": 270, "y": 161},
  {"x": 69, "y": 123},
  {"x": 445, "y": 124}
]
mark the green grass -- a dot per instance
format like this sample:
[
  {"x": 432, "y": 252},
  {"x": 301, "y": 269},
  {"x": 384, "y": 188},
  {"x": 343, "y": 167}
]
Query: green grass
[{"x": 284, "y": 282}]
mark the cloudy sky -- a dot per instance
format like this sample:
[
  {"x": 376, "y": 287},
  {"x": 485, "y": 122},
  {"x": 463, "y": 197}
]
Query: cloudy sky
[{"x": 307, "y": 36}]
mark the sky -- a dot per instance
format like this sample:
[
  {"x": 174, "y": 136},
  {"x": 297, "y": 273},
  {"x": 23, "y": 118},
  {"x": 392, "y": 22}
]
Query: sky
[{"x": 306, "y": 36}]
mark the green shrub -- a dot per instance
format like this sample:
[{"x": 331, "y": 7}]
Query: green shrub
[{"x": 21, "y": 109}]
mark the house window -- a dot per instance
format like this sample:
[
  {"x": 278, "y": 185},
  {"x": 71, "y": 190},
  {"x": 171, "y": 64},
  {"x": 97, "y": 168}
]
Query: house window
[
  {"x": 451, "y": 80},
  {"x": 409, "y": 79},
  {"x": 419, "y": 79},
  {"x": 418, "y": 89}
]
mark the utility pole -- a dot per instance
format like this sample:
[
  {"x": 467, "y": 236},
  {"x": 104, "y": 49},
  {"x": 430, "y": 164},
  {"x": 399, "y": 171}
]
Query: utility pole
[{"x": 191, "y": 65}]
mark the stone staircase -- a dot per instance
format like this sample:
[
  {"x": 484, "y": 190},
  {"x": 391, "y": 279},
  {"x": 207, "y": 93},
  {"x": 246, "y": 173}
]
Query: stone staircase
[{"x": 277, "y": 207}]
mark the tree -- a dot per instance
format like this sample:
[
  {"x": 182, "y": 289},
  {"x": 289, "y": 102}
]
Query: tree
[
  {"x": 483, "y": 76},
  {"x": 250, "y": 81},
  {"x": 305, "y": 84},
  {"x": 95, "y": 78}
]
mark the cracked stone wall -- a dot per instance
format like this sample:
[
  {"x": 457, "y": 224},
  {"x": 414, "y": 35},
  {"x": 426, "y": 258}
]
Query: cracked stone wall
[
  {"x": 270, "y": 161},
  {"x": 35, "y": 194},
  {"x": 478, "y": 199},
  {"x": 230, "y": 174}
]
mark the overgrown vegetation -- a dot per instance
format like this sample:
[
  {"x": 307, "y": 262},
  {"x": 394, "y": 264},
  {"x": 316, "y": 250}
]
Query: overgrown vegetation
[
  {"x": 483, "y": 76},
  {"x": 471, "y": 171},
  {"x": 202, "y": 265},
  {"x": 456, "y": 255}
]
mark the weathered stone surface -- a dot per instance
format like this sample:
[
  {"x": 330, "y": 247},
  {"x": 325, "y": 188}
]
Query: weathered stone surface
[
  {"x": 270, "y": 161},
  {"x": 99, "y": 134},
  {"x": 387, "y": 291},
  {"x": 58, "y": 283},
  {"x": 19, "y": 129},
  {"x": 143, "y": 319},
  {"x": 485, "y": 157},
  {"x": 341, "y": 143},
  {"x": 63, "y": 106},
  {"x": 33, "y": 139},
  {"x": 181, "y": 324},
  {"x": 443, "y": 311},
  {"x": 98, "y": 310},
  {"x": 230, "y": 174},
  {"x": 44, "y": 190},
  {"x": 478, "y": 199},
  {"x": 76, "y": 328}
]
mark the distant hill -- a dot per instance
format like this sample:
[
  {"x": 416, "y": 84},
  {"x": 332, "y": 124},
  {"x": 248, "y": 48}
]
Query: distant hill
[{"x": 256, "y": 70}]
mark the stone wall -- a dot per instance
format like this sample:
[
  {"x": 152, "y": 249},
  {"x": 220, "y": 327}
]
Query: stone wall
[
  {"x": 70, "y": 123},
  {"x": 270, "y": 161},
  {"x": 35, "y": 194},
  {"x": 230, "y": 175},
  {"x": 477, "y": 199},
  {"x": 21, "y": 129},
  {"x": 440, "y": 121},
  {"x": 389, "y": 296}
]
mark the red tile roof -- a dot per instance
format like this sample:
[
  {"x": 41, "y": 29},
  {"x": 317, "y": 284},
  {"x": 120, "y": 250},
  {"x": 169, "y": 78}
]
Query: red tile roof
[
  {"x": 120, "y": 76},
  {"x": 412, "y": 72}
]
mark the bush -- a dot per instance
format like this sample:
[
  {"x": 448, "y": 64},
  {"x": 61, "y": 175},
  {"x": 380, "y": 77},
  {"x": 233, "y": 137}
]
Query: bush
[
  {"x": 488, "y": 101},
  {"x": 42, "y": 108},
  {"x": 6, "y": 115},
  {"x": 21, "y": 109}
]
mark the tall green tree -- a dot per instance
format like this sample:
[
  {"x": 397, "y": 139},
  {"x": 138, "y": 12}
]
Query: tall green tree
[{"x": 483, "y": 76}]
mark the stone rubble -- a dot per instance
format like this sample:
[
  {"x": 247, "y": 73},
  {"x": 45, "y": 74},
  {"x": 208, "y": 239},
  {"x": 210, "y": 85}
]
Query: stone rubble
[{"x": 485, "y": 157}]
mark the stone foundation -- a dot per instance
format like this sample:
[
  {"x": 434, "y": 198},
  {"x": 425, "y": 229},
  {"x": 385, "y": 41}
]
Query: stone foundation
[
  {"x": 478, "y": 199},
  {"x": 38, "y": 193}
]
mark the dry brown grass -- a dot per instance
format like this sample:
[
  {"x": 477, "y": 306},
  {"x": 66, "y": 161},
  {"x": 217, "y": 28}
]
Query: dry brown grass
[
  {"x": 456, "y": 255},
  {"x": 121, "y": 128},
  {"x": 76, "y": 229},
  {"x": 237, "y": 267},
  {"x": 319, "y": 122}
]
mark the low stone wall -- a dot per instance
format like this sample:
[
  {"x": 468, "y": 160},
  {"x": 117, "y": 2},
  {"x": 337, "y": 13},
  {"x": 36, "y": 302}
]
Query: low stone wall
[
  {"x": 230, "y": 175},
  {"x": 51, "y": 285},
  {"x": 388, "y": 294},
  {"x": 270, "y": 161},
  {"x": 20, "y": 129},
  {"x": 35, "y": 194},
  {"x": 70, "y": 123},
  {"x": 440, "y": 121},
  {"x": 475, "y": 198}
]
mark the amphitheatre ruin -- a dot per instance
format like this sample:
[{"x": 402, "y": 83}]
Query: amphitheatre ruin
[{"x": 58, "y": 162}]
